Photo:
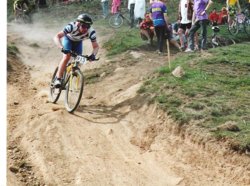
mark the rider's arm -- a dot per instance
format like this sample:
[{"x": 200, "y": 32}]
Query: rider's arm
[
  {"x": 57, "y": 39},
  {"x": 95, "y": 47}
]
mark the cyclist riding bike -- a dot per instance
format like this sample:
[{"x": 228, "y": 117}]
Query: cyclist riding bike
[
  {"x": 19, "y": 6},
  {"x": 70, "y": 39}
]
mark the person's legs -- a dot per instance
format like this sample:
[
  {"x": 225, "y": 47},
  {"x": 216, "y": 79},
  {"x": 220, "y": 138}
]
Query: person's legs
[
  {"x": 180, "y": 33},
  {"x": 132, "y": 15},
  {"x": 191, "y": 34},
  {"x": 157, "y": 33},
  {"x": 106, "y": 8},
  {"x": 203, "y": 24},
  {"x": 67, "y": 45},
  {"x": 162, "y": 38},
  {"x": 145, "y": 33}
]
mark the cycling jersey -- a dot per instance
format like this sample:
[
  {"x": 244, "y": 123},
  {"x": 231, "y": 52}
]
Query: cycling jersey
[{"x": 72, "y": 32}]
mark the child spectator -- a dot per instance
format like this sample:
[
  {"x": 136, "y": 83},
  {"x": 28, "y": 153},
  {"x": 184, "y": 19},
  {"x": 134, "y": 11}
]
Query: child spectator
[
  {"x": 213, "y": 17},
  {"x": 115, "y": 6},
  {"x": 223, "y": 16},
  {"x": 147, "y": 29}
]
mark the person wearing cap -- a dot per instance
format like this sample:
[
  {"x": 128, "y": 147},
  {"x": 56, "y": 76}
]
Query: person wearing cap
[{"x": 70, "y": 39}]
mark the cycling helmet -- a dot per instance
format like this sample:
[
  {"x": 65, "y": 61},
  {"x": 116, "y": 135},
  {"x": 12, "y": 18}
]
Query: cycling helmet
[{"x": 85, "y": 19}]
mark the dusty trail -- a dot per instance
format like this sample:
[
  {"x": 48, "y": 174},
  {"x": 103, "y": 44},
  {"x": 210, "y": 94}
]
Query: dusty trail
[{"x": 114, "y": 138}]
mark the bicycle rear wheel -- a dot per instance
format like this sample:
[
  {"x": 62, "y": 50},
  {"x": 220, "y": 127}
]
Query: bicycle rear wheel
[
  {"x": 74, "y": 90},
  {"x": 247, "y": 26},
  {"x": 234, "y": 28},
  {"x": 54, "y": 92},
  {"x": 115, "y": 21}
]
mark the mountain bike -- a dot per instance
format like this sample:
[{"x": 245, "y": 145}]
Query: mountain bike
[
  {"x": 72, "y": 82},
  {"x": 117, "y": 20},
  {"x": 240, "y": 22}
]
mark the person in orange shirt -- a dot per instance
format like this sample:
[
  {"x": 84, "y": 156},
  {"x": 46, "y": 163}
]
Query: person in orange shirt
[
  {"x": 213, "y": 17},
  {"x": 147, "y": 29},
  {"x": 223, "y": 16}
]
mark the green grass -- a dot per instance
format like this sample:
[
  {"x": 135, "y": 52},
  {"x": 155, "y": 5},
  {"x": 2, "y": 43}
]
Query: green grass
[
  {"x": 215, "y": 89},
  {"x": 124, "y": 39},
  {"x": 12, "y": 50}
]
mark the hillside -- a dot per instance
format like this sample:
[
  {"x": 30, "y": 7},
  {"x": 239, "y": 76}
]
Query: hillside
[{"x": 115, "y": 137}]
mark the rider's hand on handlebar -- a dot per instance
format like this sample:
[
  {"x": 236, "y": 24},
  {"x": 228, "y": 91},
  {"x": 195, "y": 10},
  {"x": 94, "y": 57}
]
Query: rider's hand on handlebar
[{"x": 92, "y": 57}]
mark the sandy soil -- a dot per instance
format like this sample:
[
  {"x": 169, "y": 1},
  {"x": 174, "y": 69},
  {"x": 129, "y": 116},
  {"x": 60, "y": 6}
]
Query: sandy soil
[{"x": 114, "y": 138}]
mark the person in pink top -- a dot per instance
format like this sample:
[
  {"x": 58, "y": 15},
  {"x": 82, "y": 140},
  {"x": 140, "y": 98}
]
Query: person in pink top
[{"x": 115, "y": 6}]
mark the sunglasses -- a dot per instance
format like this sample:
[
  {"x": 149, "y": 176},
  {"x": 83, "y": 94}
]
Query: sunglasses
[{"x": 83, "y": 25}]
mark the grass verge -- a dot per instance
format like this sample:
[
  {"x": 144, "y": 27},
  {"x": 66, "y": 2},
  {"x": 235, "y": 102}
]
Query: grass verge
[{"x": 214, "y": 91}]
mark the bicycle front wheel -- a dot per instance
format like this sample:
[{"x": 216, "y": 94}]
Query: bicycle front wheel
[
  {"x": 115, "y": 21},
  {"x": 74, "y": 90},
  {"x": 54, "y": 92},
  {"x": 234, "y": 27},
  {"x": 247, "y": 26}
]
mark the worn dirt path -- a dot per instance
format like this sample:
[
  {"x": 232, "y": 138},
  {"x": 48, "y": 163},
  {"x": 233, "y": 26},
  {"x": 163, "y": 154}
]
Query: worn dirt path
[{"x": 114, "y": 138}]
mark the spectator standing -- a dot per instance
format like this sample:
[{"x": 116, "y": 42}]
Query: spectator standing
[
  {"x": 105, "y": 8},
  {"x": 158, "y": 12},
  {"x": 185, "y": 18},
  {"x": 131, "y": 7},
  {"x": 115, "y": 6},
  {"x": 200, "y": 20},
  {"x": 214, "y": 17},
  {"x": 140, "y": 9}
]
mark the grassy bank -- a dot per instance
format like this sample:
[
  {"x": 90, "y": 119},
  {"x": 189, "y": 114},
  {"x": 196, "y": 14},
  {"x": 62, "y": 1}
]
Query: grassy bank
[{"x": 214, "y": 91}]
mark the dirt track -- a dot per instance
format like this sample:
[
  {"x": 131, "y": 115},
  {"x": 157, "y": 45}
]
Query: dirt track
[{"x": 114, "y": 138}]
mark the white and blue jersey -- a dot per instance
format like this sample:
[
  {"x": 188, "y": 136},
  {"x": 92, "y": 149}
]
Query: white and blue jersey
[
  {"x": 72, "y": 32},
  {"x": 73, "y": 37}
]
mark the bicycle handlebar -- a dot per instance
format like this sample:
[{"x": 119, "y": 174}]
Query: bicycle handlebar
[{"x": 74, "y": 54}]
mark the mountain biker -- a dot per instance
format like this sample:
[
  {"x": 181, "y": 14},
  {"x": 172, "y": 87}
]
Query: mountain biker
[
  {"x": 71, "y": 37},
  {"x": 19, "y": 6}
]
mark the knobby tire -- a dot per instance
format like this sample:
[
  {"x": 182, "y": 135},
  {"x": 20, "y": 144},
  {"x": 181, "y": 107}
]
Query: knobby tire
[
  {"x": 233, "y": 30},
  {"x": 115, "y": 21},
  {"x": 75, "y": 85},
  {"x": 53, "y": 95}
]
